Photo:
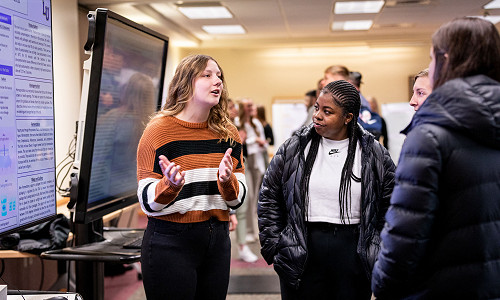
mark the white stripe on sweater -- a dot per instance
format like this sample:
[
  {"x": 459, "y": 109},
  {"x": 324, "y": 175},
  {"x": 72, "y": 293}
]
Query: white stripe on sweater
[{"x": 201, "y": 202}]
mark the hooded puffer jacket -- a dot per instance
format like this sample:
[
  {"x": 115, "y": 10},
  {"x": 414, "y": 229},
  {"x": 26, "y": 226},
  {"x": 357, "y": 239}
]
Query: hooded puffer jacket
[
  {"x": 442, "y": 236},
  {"x": 282, "y": 226}
]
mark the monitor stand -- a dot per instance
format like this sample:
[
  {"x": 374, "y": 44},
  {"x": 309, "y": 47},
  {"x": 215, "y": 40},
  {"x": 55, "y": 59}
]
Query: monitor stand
[
  {"x": 89, "y": 274},
  {"x": 90, "y": 253}
]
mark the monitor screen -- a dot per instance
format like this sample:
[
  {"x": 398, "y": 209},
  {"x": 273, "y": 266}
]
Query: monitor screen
[
  {"x": 27, "y": 158},
  {"x": 124, "y": 89}
]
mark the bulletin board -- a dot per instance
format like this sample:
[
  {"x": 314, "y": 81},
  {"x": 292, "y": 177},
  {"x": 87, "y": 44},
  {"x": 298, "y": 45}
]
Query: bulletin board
[
  {"x": 288, "y": 115},
  {"x": 397, "y": 116}
]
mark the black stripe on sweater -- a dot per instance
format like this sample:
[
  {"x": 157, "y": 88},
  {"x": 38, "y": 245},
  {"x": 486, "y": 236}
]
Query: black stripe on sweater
[
  {"x": 242, "y": 198},
  {"x": 193, "y": 189},
  {"x": 190, "y": 190},
  {"x": 176, "y": 149},
  {"x": 145, "y": 199}
]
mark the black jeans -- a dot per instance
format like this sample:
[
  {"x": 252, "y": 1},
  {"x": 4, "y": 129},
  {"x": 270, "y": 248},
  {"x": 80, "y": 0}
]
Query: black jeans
[
  {"x": 334, "y": 269},
  {"x": 186, "y": 261}
]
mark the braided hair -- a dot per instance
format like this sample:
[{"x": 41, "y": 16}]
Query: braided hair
[{"x": 346, "y": 97}]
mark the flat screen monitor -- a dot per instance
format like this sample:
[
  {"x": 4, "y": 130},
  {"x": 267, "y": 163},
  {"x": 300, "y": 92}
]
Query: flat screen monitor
[
  {"x": 122, "y": 88},
  {"x": 27, "y": 157}
]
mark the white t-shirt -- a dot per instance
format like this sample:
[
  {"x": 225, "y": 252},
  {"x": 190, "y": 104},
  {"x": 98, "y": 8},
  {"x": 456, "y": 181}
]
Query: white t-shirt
[{"x": 324, "y": 183}]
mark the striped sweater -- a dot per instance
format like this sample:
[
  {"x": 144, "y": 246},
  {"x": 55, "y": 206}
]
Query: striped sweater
[{"x": 195, "y": 148}]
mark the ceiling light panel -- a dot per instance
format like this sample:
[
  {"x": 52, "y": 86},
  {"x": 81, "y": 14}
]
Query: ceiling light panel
[
  {"x": 352, "y": 25},
  {"x": 492, "y": 5},
  {"x": 205, "y": 12},
  {"x": 224, "y": 29},
  {"x": 358, "y": 7}
]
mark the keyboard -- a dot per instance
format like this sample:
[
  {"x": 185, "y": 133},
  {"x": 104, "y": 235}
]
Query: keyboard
[{"x": 136, "y": 243}]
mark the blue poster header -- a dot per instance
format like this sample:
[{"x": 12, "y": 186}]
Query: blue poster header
[
  {"x": 5, "y": 19},
  {"x": 6, "y": 70}
]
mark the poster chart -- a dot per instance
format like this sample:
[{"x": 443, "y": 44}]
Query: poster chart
[
  {"x": 289, "y": 114},
  {"x": 27, "y": 158},
  {"x": 397, "y": 116}
]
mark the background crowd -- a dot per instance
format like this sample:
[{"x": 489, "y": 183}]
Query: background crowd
[{"x": 331, "y": 211}]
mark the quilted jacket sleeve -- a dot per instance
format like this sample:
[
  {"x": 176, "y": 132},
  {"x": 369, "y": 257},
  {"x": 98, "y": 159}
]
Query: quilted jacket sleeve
[
  {"x": 271, "y": 206},
  {"x": 387, "y": 184},
  {"x": 411, "y": 215}
]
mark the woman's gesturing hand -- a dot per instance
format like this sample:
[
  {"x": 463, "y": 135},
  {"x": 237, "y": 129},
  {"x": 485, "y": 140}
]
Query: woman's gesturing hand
[
  {"x": 226, "y": 166},
  {"x": 171, "y": 171}
]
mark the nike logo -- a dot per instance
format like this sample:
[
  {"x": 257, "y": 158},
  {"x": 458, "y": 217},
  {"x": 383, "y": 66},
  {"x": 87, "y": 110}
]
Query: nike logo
[{"x": 334, "y": 151}]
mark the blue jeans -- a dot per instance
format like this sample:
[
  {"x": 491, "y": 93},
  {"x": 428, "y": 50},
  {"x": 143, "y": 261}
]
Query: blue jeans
[{"x": 186, "y": 261}]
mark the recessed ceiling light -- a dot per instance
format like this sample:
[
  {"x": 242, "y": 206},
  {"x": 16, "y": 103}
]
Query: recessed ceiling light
[
  {"x": 352, "y": 25},
  {"x": 224, "y": 29},
  {"x": 205, "y": 12},
  {"x": 492, "y": 19},
  {"x": 358, "y": 7},
  {"x": 492, "y": 5}
]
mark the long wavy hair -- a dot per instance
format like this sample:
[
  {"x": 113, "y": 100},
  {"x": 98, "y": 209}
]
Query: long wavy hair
[
  {"x": 244, "y": 116},
  {"x": 181, "y": 90},
  {"x": 138, "y": 99},
  {"x": 465, "y": 47},
  {"x": 346, "y": 97}
]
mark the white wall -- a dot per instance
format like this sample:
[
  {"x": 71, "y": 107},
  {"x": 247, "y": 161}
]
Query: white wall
[{"x": 67, "y": 78}]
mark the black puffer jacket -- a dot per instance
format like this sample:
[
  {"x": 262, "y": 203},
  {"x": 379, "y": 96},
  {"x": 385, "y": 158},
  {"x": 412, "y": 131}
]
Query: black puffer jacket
[
  {"x": 442, "y": 236},
  {"x": 282, "y": 228}
]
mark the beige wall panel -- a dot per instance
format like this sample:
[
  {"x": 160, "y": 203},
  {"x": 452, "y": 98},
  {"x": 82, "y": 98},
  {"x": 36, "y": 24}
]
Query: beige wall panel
[{"x": 265, "y": 74}]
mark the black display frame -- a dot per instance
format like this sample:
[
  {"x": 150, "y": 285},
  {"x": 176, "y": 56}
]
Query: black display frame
[{"x": 84, "y": 212}]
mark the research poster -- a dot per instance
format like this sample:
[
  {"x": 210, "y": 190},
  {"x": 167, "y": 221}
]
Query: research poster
[
  {"x": 27, "y": 158},
  {"x": 288, "y": 116}
]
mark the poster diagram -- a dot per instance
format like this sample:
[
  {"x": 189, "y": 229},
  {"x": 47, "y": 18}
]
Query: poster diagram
[
  {"x": 27, "y": 160},
  {"x": 5, "y": 153}
]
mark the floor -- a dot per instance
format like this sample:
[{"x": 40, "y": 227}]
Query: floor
[{"x": 255, "y": 281}]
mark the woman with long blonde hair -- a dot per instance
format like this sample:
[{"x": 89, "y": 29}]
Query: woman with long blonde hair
[{"x": 190, "y": 173}]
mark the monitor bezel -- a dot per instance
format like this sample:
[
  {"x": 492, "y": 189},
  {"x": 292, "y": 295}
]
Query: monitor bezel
[{"x": 85, "y": 213}]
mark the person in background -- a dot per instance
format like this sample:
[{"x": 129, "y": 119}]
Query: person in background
[
  {"x": 422, "y": 88},
  {"x": 260, "y": 114},
  {"x": 255, "y": 164},
  {"x": 442, "y": 234},
  {"x": 323, "y": 201},
  {"x": 244, "y": 252},
  {"x": 369, "y": 120},
  {"x": 334, "y": 73},
  {"x": 233, "y": 111},
  {"x": 355, "y": 79},
  {"x": 190, "y": 173},
  {"x": 109, "y": 92},
  {"x": 309, "y": 100},
  {"x": 268, "y": 130},
  {"x": 374, "y": 108},
  {"x": 121, "y": 130}
]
